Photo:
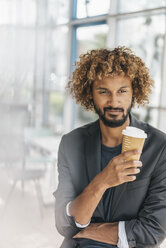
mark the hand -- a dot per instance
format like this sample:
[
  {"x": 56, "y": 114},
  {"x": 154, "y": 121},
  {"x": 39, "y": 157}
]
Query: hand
[
  {"x": 102, "y": 232},
  {"x": 119, "y": 170}
]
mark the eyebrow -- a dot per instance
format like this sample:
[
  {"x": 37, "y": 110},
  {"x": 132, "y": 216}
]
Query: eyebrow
[{"x": 102, "y": 88}]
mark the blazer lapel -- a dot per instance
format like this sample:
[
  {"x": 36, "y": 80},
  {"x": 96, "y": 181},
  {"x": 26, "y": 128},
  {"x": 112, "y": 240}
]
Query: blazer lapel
[{"x": 93, "y": 157}]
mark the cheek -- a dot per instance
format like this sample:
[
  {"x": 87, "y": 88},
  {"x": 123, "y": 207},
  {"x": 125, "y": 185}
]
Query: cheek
[
  {"x": 98, "y": 100},
  {"x": 127, "y": 99},
  {"x": 129, "y": 105}
]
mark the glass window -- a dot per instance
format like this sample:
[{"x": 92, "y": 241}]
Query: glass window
[
  {"x": 57, "y": 58},
  {"x": 58, "y": 11},
  {"x": 91, "y": 37},
  {"x": 18, "y": 12},
  {"x": 135, "y": 5},
  {"x": 86, "y": 8},
  {"x": 26, "y": 12},
  {"x": 4, "y": 15},
  {"x": 16, "y": 65},
  {"x": 56, "y": 74},
  {"x": 56, "y": 102},
  {"x": 148, "y": 44},
  {"x": 88, "y": 38}
]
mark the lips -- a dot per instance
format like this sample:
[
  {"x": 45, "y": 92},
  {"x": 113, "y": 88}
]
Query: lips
[{"x": 114, "y": 111}]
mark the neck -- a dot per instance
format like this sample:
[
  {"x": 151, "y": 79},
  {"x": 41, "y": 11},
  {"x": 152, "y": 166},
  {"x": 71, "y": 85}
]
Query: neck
[{"x": 112, "y": 136}]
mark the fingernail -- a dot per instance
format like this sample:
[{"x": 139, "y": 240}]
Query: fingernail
[{"x": 136, "y": 162}]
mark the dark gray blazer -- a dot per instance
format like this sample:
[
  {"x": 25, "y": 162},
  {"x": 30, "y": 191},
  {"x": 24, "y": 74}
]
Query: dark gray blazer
[{"x": 141, "y": 203}]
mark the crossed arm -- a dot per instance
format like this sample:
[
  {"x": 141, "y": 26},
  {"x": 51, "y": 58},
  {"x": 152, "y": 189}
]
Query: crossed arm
[
  {"x": 82, "y": 209},
  {"x": 103, "y": 232}
]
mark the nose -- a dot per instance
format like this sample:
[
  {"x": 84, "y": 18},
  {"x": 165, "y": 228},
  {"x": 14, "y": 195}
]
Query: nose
[{"x": 113, "y": 100}]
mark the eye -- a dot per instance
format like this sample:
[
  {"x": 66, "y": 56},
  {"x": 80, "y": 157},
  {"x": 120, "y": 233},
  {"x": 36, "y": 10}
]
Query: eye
[
  {"x": 103, "y": 92},
  {"x": 122, "y": 91}
]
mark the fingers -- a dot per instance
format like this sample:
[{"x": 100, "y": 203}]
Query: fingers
[
  {"x": 123, "y": 156},
  {"x": 122, "y": 170},
  {"x": 127, "y": 154},
  {"x": 130, "y": 178},
  {"x": 132, "y": 171},
  {"x": 131, "y": 163}
]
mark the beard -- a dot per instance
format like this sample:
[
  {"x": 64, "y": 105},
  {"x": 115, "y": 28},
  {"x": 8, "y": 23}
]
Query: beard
[{"x": 112, "y": 123}]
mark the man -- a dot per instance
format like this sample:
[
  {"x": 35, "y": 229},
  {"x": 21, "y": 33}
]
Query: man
[{"x": 102, "y": 199}]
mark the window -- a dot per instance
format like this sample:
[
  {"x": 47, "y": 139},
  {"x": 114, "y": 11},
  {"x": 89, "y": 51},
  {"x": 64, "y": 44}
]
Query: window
[
  {"x": 88, "y": 38},
  {"x": 148, "y": 43},
  {"x": 18, "y": 12},
  {"x": 88, "y": 8},
  {"x": 56, "y": 78},
  {"x": 58, "y": 11},
  {"x": 135, "y": 5},
  {"x": 91, "y": 37}
]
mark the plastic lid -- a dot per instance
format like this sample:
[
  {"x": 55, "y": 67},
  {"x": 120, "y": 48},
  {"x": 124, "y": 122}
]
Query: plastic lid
[{"x": 134, "y": 132}]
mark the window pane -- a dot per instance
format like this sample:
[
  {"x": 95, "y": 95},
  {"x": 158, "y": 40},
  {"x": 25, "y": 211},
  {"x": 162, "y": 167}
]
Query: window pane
[
  {"x": 135, "y": 5},
  {"x": 4, "y": 12},
  {"x": 26, "y": 12},
  {"x": 57, "y": 58},
  {"x": 147, "y": 43},
  {"x": 16, "y": 64},
  {"x": 92, "y": 37},
  {"x": 58, "y": 11},
  {"x": 17, "y": 12},
  {"x": 87, "y": 8},
  {"x": 56, "y": 102},
  {"x": 56, "y": 76}
]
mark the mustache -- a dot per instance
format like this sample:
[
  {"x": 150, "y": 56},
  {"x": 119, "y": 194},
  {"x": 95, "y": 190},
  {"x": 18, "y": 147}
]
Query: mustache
[{"x": 116, "y": 109}]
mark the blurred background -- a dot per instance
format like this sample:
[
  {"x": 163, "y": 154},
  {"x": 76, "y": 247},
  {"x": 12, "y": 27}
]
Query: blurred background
[{"x": 39, "y": 42}]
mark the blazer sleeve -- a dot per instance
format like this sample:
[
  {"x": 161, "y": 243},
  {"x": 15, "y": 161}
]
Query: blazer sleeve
[
  {"x": 149, "y": 228},
  {"x": 65, "y": 193}
]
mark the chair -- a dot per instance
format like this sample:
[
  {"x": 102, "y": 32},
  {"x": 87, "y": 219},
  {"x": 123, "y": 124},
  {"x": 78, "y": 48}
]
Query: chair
[
  {"x": 33, "y": 163},
  {"x": 36, "y": 154}
]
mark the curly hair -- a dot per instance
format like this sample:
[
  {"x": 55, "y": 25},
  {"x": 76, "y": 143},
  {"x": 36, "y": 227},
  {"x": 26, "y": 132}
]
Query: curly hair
[{"x": 101, "y": 63}]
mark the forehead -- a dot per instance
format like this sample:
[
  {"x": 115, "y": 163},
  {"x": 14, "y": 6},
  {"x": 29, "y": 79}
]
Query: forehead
[{"x": 113, "y": 82}]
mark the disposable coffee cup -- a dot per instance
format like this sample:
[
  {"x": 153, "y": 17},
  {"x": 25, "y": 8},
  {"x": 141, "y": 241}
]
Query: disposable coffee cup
[{"x": 133, "y": 139}]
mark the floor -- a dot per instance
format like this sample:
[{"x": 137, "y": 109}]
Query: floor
[{"x": 21, "y": 224}]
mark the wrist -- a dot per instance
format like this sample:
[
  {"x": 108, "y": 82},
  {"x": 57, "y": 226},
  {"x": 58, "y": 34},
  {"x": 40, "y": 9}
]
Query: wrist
[{"x": 101, "y": 182}]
